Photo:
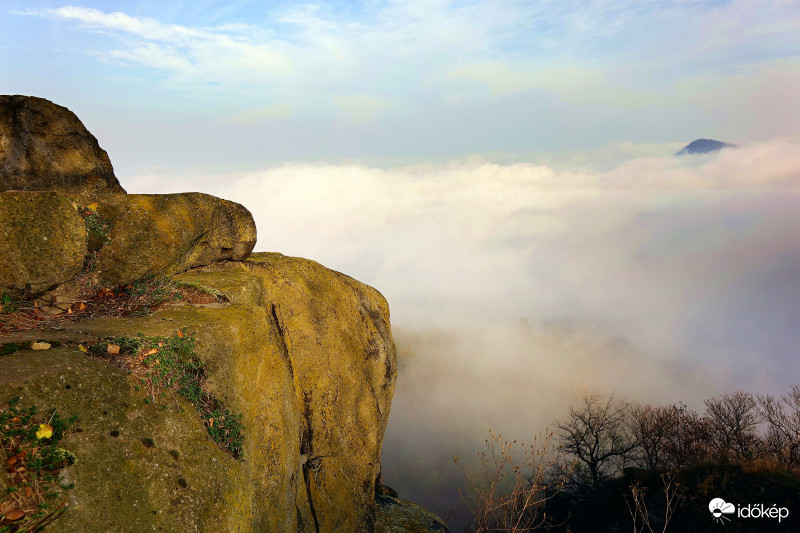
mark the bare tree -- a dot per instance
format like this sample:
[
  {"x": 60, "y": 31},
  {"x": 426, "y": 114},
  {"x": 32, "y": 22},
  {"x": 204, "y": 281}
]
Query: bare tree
[
  {"x": 732, "y": 421},
  {"x": 783, "y": 426},
  {"x": 597, "y": 434},
  {"x": 652, "y": 427},
  {"x": 687, "y": 440},
  {"x": 512, "y": 484}
]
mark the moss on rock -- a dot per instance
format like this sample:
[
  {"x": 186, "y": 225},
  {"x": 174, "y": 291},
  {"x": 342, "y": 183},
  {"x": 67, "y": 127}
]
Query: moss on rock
[{"x": 304, "y": 353}]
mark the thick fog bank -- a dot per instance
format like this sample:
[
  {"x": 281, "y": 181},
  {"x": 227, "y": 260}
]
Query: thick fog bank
[{"x": 513, "y": 287}]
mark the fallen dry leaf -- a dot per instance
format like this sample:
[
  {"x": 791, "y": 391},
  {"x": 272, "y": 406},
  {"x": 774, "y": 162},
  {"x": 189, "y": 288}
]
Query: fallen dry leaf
[
  {"x": 45, "y": 431},
  {"x": 81, "y": 307},
  {"x": 82, "y": 348},
  {"x": 112, "y": 349},
  {"x": 180, "y": 334},
  {"x": 151, "y": 352},
  {"x": 92, "y": 206},
  {"x": 40, "y": 346},
  {"x": 28, "y": 492},
  {"x": 14, "y": 514}
]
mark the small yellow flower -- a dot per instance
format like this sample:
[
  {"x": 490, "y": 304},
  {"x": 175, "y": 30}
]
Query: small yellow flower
[{"x": 45, "y": 431}]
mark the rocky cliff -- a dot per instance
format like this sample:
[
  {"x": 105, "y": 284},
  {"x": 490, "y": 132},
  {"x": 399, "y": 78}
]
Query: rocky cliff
[{"x": 156, "y": 375}]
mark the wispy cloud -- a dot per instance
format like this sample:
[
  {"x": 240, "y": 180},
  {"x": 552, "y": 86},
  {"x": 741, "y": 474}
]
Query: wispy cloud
[
  {"x": 207, "y": 54},
  {"x": 416, "y": 50}
]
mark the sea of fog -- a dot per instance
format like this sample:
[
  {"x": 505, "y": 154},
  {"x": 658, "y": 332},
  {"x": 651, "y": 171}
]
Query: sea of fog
[{"x": 516, "y": 286}]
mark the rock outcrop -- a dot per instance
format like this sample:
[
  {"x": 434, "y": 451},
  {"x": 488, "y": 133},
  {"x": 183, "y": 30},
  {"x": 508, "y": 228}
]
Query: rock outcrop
[
  {"x": 304, "y": 353},
  {"x": 301, "y": 355},
  {"x": 43, "y": 146},
  {"x": 337, "y": 337},
  {"x": 163, "y": 234},
  {"x": 394, "y": 515},
  {"x": 42, "y": 241}
]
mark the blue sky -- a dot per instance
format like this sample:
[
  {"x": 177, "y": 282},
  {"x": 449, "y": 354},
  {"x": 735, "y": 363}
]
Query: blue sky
[{"x": 222, "y": 84}]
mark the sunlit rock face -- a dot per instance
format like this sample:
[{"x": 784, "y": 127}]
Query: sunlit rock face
[
  {"x": 42, "y": 240},
  {"x": 45, "y": 146},
  {"x": 336, "y": 335},
  {"x": 303, "y": 353},
  {"x": 158, "y": 234}
]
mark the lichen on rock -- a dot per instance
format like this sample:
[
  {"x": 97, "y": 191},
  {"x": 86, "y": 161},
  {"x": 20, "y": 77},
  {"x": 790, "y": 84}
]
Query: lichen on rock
[
  {"x": 44, "y": 146},
  {"x": 42, "y": 240},
  {"x": 162, "y": 234},
  {"x": 338, "y": 340}
]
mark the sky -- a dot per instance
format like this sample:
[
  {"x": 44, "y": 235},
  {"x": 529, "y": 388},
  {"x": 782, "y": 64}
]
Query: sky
[
  {"x": 503, "y": 172},
  {"x": 208, "y": 84}
]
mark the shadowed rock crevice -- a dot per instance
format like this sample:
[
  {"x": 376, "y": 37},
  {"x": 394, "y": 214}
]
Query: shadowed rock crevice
[
  {"x": 285, "y": 341},
  {"x": 307, "y": 458}
]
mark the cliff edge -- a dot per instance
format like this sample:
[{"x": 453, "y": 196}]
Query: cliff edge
[{"x": 157, "y": 375}]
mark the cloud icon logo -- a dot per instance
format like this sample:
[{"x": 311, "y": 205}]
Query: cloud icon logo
[{"x": 719, "y": 508}]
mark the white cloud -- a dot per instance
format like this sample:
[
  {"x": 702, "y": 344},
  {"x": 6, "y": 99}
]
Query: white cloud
[
  {"x": 611, "y": 69},
  {"x": 472, "y": 234},
  {"x": 209, "y": 54},
  {"x": 661, "y": 279}
]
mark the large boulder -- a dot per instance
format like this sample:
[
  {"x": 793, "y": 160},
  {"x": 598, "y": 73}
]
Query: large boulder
[
  {"x": 42, "y": 240},
  {"x": 337, "y": 334},
  {"x": 303, "y": 353},
  {"x": 44, "y": 146},
  {"x": 393, "y": 515},
  {"x": 164, "y": 234}
]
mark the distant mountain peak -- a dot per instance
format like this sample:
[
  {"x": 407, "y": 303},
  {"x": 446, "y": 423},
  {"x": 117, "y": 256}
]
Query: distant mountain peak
[{"x": 703, "y": 146}]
